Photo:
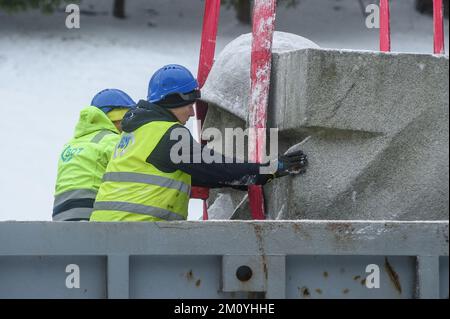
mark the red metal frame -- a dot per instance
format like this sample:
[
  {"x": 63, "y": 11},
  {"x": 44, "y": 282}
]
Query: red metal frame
[
  {"x": 385, "y": 26},
  {"x": 438, "y": 15},
  {"x": 206, "y": 60},
  {"x": 261, "y": 63},
  {"x": 438, "y": 27}
]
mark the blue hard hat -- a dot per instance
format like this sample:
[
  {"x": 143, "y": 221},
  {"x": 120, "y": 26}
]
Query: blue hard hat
[
  {"x": 109, "y": 99},
  {"x": 173, "y": 80}
]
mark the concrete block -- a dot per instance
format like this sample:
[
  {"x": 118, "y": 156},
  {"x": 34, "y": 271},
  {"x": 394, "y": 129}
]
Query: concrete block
[{"x": 377, "y": 127}]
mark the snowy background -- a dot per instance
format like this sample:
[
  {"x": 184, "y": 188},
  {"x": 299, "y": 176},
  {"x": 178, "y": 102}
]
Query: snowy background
[{"x": 48, "y": 73}]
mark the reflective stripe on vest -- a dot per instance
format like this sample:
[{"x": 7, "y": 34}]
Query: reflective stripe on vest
[
  {"x": 138, "y": 209},
  {"x": 147, "y": 179},
  {"x": 74, "y": 194},
  {"x": 74, "y": 214},
  {"x": 99, "y": 136}
]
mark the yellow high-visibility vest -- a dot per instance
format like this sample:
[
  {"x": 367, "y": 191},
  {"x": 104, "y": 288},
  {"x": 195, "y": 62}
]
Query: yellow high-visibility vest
[{"x": 135, "y": 190}]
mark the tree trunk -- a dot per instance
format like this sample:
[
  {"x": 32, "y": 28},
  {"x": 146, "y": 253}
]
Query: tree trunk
[
  {"x": 426, "y": 7},
  {"x": 244, "y": 11},
  {"x": 119, "y": 9}
]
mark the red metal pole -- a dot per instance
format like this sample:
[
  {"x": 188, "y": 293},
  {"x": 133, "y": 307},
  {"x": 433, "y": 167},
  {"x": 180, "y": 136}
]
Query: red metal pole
[
  {"x": 206, "y": 60},
  {"x": 261, "y": 63},
  {"x": 209, "y": 36},
  {"x": 438, "y": 14},
  {"x": 385, "y": 26}
]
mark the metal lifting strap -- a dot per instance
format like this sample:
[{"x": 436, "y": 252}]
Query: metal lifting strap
[
  {"x": 385, "y": 26},
  {"x": 438, "y": 29},
  {"x": 261, "y": 63},
  {"x": 206, "y": 60}
]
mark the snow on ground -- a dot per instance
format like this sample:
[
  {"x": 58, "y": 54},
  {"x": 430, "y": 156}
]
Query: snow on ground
[{"x": 48, "y": 73}]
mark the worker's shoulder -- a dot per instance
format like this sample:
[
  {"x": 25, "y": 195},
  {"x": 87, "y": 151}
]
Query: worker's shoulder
[
  {"x": 177, "y": 131},
  {"x": 178, "y": 126},
  {"x": 107, "y": 137}
]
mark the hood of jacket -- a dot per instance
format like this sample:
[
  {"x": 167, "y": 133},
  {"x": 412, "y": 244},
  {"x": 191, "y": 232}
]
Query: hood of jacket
[
  {"x": 92, "y": 119},
  {"x": 144, "y": 113}
]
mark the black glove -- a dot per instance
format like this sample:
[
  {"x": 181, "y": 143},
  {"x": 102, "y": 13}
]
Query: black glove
[{"x": 292, "y": 164}]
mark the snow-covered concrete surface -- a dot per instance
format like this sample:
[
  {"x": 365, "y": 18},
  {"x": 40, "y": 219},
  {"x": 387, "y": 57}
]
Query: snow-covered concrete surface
[{"x": 48, "y": 72}]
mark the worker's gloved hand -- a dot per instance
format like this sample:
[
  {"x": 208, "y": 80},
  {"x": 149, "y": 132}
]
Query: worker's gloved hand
[{"x": 292, "y": 164}]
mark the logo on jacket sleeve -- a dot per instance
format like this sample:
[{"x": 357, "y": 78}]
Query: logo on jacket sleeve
[
  {"x": 69, "y": 152},
  {"x": 126, "y": 140}
]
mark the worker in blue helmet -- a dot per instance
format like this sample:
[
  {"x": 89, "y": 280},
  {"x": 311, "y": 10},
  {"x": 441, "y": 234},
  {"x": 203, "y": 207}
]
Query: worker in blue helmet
[
  {"x": 144, "y": 183},
  {"x": 84, "y": 158}
]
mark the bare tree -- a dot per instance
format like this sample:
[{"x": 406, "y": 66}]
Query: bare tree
[
  {"x": 244, "y": 11},
  {"x": 426, "y": 6},
  {"x": 119, "y": 9},
  {"x": 244, "y": 8}
]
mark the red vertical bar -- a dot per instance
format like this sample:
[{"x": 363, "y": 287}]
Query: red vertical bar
[
  {"x": 206, "y": 60},
  {"x": 261, "y": 63},
  {"x": 208, "y": 42},
  {"x": 438, "y": 14},
  {"x": 385, "y": 26}
]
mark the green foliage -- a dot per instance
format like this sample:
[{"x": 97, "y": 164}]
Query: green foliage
[{"x": 46, "y": 6}]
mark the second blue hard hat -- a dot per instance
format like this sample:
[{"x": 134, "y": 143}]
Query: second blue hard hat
[
  {"x": 109, "y": 99},
  {"x": 173, "y": 86}
]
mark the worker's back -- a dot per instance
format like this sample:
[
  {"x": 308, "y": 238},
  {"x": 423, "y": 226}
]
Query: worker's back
[{"x": 82, "y": 164}]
